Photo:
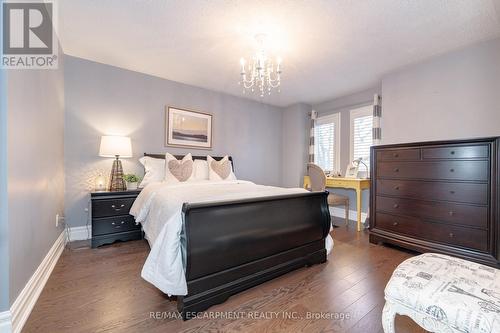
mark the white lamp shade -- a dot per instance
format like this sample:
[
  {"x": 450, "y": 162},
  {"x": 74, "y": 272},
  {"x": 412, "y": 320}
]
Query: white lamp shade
[{"x": 112, "y": 146}]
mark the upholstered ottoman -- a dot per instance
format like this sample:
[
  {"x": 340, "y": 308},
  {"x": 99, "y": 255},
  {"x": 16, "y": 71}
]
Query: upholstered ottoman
[{"x": 444, "y": 294}]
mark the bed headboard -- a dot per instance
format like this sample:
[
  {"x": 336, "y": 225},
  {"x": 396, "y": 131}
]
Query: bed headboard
[{"x": 217, "y": 158}]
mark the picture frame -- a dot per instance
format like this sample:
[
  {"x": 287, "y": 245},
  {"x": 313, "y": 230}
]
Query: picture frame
[{"x": 187, "y": 128}]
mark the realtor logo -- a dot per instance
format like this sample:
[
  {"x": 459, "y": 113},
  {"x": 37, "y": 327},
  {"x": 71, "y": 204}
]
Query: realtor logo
[{"x": 29, "y": 40}]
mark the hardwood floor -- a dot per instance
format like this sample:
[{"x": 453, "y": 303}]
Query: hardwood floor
[{"x": 100, "y": 290}]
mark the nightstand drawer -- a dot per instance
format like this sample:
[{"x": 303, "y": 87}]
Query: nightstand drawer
[
  {"x": 111, "y": 207},
  {"x": 116, "y": 224}
]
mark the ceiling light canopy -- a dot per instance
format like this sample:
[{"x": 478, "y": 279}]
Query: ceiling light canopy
[{"x": 263, "y": 74}]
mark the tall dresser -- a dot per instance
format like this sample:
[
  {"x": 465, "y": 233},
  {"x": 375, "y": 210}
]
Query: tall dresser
[{"x": 438, "y": 197}]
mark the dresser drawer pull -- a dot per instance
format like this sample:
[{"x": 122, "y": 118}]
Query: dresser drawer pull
[
  {"x": 452, "y": 152},
  {"x": 396, "y": 169},
  {"x": 452, "y": 192},
  {"x": 395, "y": 155},
  {"x": 451, "y": 213},
  {"x": 452, "y": 170},
  {"x": 395, "y": 223},
  {"x": 396, "y": 188},
  {"x": 396, "y": 206},
  {"x": 117, "y": 209},
  {"x": 451, "y": 235}
]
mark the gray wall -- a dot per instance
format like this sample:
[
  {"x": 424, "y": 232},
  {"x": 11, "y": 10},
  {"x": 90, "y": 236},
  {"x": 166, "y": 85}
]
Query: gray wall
[
  {"x": 456, "y": 95},
  {"x": 102, "y": 99},
  {"x": 35, "y": 101},
  {"x": 451, "y": 96},
  {"x": 343, "y": 105},
  {"x": 4, "y": 224},
  {"x": 296, "y": 125}
]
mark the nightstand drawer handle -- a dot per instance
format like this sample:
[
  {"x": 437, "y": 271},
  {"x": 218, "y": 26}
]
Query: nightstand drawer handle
[
  {"x": 117, "y": 209},
  {"x": 396, "y": 206},
  {"x": 395, "y": 223},
  {"x": 396, "y": 169},
  {"x": 395, "y": 154},
  {"x": 118, "y": 226}
]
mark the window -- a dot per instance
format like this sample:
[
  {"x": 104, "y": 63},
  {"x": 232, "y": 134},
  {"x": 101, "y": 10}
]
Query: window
[
  {"x": 361, "y": 134},
  {"x": 327, "y": 142}
]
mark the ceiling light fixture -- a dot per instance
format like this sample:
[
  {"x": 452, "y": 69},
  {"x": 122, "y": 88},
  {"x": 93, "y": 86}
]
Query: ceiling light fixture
[{"x": 263, "y": 75}]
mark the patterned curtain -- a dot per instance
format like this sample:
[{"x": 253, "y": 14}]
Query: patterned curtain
[
  {"x": 314, "y": 115},
  {"x": 377, "y": 116}
]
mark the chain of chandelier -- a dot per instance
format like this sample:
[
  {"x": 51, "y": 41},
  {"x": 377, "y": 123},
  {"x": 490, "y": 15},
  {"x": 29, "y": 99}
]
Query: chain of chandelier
[{"x": 261, "y": 75}]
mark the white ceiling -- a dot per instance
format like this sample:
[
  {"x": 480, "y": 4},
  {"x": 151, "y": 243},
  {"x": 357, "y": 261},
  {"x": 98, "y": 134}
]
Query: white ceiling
[{"x": 329, "y": 48}]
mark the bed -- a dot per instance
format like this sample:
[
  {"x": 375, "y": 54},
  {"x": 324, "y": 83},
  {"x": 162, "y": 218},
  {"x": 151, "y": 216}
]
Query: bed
[{"x": 210, "y": 240}]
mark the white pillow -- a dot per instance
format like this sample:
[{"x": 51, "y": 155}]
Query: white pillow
[
  {"x": 217, "y": 170},
  {"x": 178, "y": 171},
  {"x": 154, "y": 170},
  {"x": 200, "y": 170}
]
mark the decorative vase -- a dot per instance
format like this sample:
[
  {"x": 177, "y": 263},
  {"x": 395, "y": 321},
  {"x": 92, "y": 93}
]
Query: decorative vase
[{"x": 131, "y": 186}]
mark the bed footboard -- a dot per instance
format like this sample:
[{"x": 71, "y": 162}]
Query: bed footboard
[{"x": 232, "y": 246}]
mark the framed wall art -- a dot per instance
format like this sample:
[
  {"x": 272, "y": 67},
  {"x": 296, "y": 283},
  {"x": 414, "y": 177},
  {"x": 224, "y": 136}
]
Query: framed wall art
[{"x": 187, "y": 128}]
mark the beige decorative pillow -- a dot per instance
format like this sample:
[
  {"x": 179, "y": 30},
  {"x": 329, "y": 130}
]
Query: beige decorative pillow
[
  {"x": 178, "y": 171},
  {"x": 182, "y": 170},
  {"x": 220, "y": 170}
]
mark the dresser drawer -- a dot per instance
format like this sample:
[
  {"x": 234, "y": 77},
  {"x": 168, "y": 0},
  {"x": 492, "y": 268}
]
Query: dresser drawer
[
  {"x": 480, "y": 151},
  {"x": 111, "y": 207},
  {"x": 399, "y": 224},
  {"x": 459, "y": 192},
  {"x": 398, "y": 155},
  {"x": 414, "y": 227},
  {"x": 444, "y": 170},
  {"x": 111, "y": 225},
  {"x": 453, "y": 235},
  {"x": 466, "y": 215}
]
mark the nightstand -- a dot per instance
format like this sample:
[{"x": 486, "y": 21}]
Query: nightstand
[{"x": 110, "y": 217}]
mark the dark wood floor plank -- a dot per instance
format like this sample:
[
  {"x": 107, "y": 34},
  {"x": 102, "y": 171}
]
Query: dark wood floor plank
[{"x": 100, "y": 290}]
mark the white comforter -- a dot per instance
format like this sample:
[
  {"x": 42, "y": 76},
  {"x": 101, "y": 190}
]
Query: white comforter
[{"x": 159, "y": 209}]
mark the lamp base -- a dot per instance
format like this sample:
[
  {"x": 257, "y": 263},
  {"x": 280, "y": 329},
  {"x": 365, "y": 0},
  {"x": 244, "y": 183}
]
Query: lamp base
[{"x": 116, "y": 182}]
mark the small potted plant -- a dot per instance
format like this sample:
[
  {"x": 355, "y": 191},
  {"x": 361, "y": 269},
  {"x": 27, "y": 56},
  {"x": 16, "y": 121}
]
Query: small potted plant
[{"x": 132, "y": 181}]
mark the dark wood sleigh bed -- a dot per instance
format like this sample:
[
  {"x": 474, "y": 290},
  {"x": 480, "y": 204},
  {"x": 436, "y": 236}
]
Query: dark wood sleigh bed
[{"x": 235, "y": 245}]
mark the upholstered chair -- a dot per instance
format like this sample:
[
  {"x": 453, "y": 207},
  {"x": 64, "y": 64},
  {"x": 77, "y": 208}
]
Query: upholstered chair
[{"x": 317, "y": 179}]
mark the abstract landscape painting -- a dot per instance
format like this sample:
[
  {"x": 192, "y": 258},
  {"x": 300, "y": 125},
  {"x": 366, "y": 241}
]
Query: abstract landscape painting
[{"x": 188, "y": 128}]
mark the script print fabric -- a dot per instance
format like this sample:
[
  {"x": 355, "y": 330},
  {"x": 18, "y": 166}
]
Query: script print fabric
[{"x": 446, "y": 292}]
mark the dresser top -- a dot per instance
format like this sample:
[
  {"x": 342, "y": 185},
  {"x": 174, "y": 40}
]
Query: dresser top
[{"x": 438, "y": 142}]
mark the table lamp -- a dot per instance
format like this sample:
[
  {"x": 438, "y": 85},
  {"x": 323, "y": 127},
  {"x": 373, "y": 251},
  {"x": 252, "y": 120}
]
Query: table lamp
[
  {"x": 359, "y": 161},
  {"x": 116, "y": 146}
]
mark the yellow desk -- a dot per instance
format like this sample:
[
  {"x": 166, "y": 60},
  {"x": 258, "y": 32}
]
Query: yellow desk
[{"x": 356, "y": 184}]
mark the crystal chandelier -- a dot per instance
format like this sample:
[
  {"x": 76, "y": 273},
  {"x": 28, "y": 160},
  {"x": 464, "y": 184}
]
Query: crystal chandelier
[{"x": 263, "y": 74}]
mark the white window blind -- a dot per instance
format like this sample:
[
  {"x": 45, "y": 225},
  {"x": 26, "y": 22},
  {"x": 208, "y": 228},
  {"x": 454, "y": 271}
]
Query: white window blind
[
  {"x": 361, "y": 134},
  {"x": 326, "y": 142}
]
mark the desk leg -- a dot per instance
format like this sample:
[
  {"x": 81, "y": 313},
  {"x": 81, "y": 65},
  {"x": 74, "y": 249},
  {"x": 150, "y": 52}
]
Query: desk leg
[{"x": 358, "y": 206}]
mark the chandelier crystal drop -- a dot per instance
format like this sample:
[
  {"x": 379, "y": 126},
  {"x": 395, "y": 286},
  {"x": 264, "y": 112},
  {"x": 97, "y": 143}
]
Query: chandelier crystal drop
[{"x": 263, "y": 75}]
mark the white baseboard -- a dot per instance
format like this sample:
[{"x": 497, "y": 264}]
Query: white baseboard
[
  {"x": 79, "y": 233},
  {"x": 5, "y": 322},
  {"x": 353, "y": 215},
  {"x": 26, "y": 300}
]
